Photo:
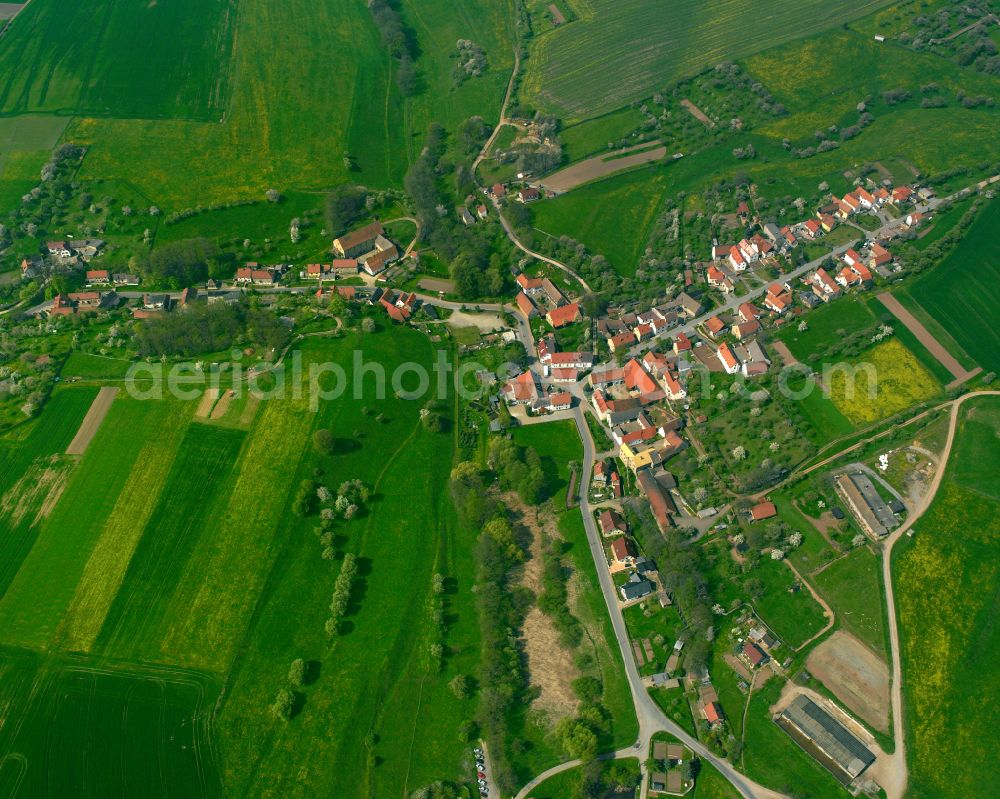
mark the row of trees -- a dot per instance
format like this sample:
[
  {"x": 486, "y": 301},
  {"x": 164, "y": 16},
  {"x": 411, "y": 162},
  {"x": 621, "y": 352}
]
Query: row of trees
[
  {"x": 341, "y": 594},
  {"x": 400, "y": 43}
]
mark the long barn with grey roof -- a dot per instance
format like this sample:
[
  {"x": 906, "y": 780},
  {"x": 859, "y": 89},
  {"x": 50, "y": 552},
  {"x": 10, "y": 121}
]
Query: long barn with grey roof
[{"x": 826, "y": 739}]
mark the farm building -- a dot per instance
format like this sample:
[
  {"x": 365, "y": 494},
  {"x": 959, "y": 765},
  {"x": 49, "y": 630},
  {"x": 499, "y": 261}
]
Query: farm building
[
  {"x": 357, "y": 242},
  {"x": 826, "y": 739},
  {"x": 865, "y": 504}
]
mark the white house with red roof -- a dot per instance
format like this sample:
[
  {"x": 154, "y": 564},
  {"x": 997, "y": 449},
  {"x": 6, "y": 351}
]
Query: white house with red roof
[
  {"x": 727, "y": 359},
  {"x": 747, "y": 312}
]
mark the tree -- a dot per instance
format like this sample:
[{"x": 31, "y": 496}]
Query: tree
[
  {"x": 461, "y": 686},
  {"x": 283, "y": 705},
  {"x": 578, "y": 740},
  {"x": 297, "y": 673},
  {"x": 272, "y": 196},
  {"x": 324, "y": 442},
  {"x": 368, "y": 325}
]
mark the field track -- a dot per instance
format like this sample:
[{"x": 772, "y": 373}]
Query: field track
[
  {"x": 92, "y": 421},
  {"x": 934, "y": 347},
  {"x": 601, "y": 166}
]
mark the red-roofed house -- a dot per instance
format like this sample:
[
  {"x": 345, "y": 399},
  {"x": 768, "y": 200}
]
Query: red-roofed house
[
  {"x": 622, "y": 550},
  {"x": 715, "y": 276},
  {"x": 747, "y": 312},
  {"x": 566, "y": 315},
  {"x": 715, "y": 325},
  {"x": 713, "y": 713},
  {"x": 901, "y": 194},
  {"x": 736, "y": 259},
  {"x": 98, "y": 277},
  {"x": 765, "y": 510},
  {"x": 529, "y": 285},
  {"x": 753, "y": 655},
  {"x": 638, "y": 379},
  {"x": 727, "y": 359},
  {"x": 851, "y": 257},
  {"x": 673, "y": 388},
  {"x": 521, "y": 389},
  {"x": 621, "y": 341},
  {"x": 812, "y": 228},
  {"x": 682, "y": 344},
  {"x": 611, "y": 522},
  {"x": 778, "y": 302},
  {"x": 878, "y": 255},
  {"x": 744, "y": 329},
  {"x": 525, "y": 305}
]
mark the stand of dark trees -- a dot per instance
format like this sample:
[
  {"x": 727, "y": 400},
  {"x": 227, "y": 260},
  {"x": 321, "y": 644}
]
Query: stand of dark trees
[
  {"x": 400, "y": 43},
  {"x": 210, "y": 328},
  {"x": 185, "y": 263},
  {"x": 344, "y": 206}
]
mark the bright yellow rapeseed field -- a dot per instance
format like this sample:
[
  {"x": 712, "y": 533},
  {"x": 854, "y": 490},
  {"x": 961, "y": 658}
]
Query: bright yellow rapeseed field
[{"x": 885, "y": 380}]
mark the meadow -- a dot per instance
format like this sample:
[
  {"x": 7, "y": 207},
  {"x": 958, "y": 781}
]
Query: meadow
[
  {"x": 795, "y": 617},
  {"x": 167, "y": 60},
  {"x": 175, "y": 542},
  {"x": 611, "y": 217},
  {"x": 148, "y": 729},
  {"x": 23, "y": 464},
  {"x": 826, "y": 326},
  {"x": 946, "y": 580},
  {"x": 620, "y": 52},
  {"x": 961, "y": 293},
  {"x": 297, "y": 111},
  {"x": 889, "y": 379},
  {"x": 853, "y": 587}
]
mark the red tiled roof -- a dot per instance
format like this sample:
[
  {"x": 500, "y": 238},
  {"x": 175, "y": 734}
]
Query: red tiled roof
[
  {"x": 565, "y": 315},
  {"x": 765, "y": 510}
]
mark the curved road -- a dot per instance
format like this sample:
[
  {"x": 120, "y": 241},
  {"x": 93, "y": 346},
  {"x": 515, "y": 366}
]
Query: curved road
[
  {"x": 897, "y": 787},
  {"x": 651, "y": 718}
]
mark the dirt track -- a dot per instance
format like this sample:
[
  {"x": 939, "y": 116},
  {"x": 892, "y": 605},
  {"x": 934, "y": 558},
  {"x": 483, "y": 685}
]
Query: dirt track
[
  {"x": 600, "y": 166},
  {"x": 855, "y": 674},
  {"x": 934, "y": 347},
  {"x": 92, "y": 421}
]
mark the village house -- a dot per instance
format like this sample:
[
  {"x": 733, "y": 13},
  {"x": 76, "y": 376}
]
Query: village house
[
  {"x": 745, "y": 329},
  {"x": 465, "y": 216},
  {"x": 714, "y": 325},
  {"x": 529, "y": 285},
  {"x": 124, "y": 279},
  {"x": 528, "y": 194},
  {"x": 481, "y": 211},
  {"x": 622, "y": 341},
  {"x": 622, "y": 551},
  {"x": 86, "y": 248},
  {"x": 753, "y": 655},
  {"x": 727, "y": 359},
  {"x": 823, "y": 286},
  {"x": 498, "y": 191},
  {"x": 763, "y": 510},
  {"x": 246, "y": 276},
  {"x": 520, "y": 390},
  {"x": 98, "y": 277},
  {"x": 562, "y": 316},
  {"x": 357, "y": 242},
  {"x": 59, "y": 249},
  {"x": 611, "y": 522},
  {"x": 525, "y": 305}
]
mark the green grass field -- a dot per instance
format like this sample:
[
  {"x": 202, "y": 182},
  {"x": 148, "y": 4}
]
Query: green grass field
[
  {"x": 94, "y": 367},
  {"x": 24, "y": 464},
  {"x": 794, "y": 616},
  {"x": 961, "y": 293},
  {"x": 946, "y": 581},
  {"x": 148, "y": 729},
  {"x": 620, "y": 52},
  {"x": 853, "y": 587},
  {"x": 174, "y": 542},
  {"x": 826, "y": 326},
  {"x": 611, "y": 217},
  {"x": 272, "y": 133},
  {"x": 166, "y": 60}
]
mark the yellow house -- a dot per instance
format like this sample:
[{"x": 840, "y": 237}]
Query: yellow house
[{"x": 637, "y": 458}]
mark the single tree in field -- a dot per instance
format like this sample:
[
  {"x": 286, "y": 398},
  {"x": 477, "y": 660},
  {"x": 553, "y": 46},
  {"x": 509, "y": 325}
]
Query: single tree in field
[
  {"x": 284, "y": 702},
  {"x": 297, "y": 673},
  {"x": 324, "y": 442}
]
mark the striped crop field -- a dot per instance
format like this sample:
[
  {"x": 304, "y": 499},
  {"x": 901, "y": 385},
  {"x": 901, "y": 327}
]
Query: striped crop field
[{"x": 620, "y": 51}]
